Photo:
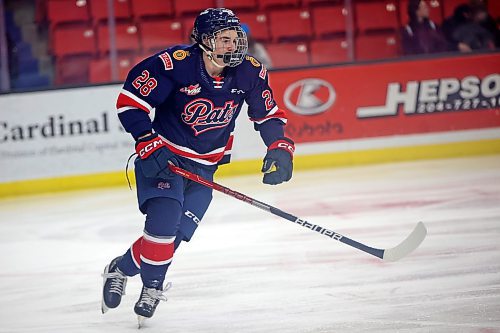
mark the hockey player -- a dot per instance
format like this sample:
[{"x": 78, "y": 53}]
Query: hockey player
[{"x": 197, "y": 92}]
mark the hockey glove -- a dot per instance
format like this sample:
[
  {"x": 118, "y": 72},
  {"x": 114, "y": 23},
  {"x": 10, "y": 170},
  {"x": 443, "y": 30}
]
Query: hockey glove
[
  {"x": 278, "y": 165},
  {"x": 155, "y": 157}
]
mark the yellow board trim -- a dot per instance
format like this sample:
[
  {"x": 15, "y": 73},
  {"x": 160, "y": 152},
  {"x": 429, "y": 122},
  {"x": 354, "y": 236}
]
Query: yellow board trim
[{"x": 303, "y": 162}]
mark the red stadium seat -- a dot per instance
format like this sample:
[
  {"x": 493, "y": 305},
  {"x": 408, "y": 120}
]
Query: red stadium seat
[
  {"x": 494, "y": 9},
  {"x": 450, "y": 5},
  {"x": 183, "y": 7},
  {"x": 434, "y": 11},
  {"x": 63, "y": 11},
  {"x": 382, "y": 46},
  {"x": 328, "y": 51},
  {"x": 187, "y": 28},
  {"x": 376, "y": 15},
  {"x": 99, "y": 9},
  {"x": 100, "y": 69},
  {"x": 328, "y": 20},
  {"x": 306, "y": 3},
  {"x": 73, "y": 40},
  {"x": 288, "y": 54},
  {"x": 72, "y": 70},
  {"x": 264, "y": 4},
  {"x": 240, "y": 4},
  {"x": 127, "y": 38},
  {"x": 290, "y": 24},
  {"x": 159, "y": 34},
  {"x": 143, "y": 8},
  {"x": 258, "y": 24}
]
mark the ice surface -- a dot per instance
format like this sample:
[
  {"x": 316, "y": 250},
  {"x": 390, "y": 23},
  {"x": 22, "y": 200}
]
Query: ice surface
[{"x": 248, "y": 271}]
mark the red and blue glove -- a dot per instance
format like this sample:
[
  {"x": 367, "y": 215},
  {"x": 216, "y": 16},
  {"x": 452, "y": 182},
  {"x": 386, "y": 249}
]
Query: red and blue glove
[
  {"x": 155, "y": 157},
  {"x": 278, "y": 162}
]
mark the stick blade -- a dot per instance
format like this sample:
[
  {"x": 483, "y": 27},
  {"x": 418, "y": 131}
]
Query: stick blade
[{"x": 407, "y": 246}]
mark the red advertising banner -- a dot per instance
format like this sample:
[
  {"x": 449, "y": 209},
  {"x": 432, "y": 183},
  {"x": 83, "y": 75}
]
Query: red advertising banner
[{"x": 407, "y": 97}]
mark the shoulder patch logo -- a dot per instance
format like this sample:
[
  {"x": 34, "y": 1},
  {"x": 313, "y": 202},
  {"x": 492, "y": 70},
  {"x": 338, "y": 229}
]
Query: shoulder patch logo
[
  {"x": 167, "y": 61},
  {"x": 180, "y": 54},
  {"x": 253, "y": 61}
]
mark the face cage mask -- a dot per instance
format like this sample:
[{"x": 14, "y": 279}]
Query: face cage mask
[{"x": 233, "y": 58}]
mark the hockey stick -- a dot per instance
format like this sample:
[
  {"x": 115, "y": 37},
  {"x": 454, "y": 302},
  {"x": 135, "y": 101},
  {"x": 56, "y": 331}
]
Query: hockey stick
[{"x": 402, "y": 250}]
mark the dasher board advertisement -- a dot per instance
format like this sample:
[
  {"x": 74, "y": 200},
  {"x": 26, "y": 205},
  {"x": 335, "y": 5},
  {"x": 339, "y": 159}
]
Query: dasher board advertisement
[{"x": 401, "y": 98}]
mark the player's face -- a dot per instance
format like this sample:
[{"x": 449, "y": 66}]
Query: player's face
[{"x": 225, "y": 41}]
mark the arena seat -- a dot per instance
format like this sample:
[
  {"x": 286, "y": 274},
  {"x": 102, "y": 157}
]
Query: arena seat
[
  {"x": 328, "y": 51},
  {"x": 237, "y": 5},
  {"x": 265, "y": 4},
  {"x": 183, "y": 7},
  {"x": 187, "y": 24},
  {"x": 72, "y": 70},
  {"x": 290, "y": 24},
  {"x": 380, "y": 46},
  {"x": 65, "y": 11},
  {"x": 376, "y": 15},
  {"x": 159, "y": 34},
  {"x": 288, "y": 54},
  {"x": 73, "y": 40},
  {"x": 99, "y": 9},
  {"x": 258, "y": 24},
  {"x": 329, "y": 20},
  {"x": 127, "y": 38},
  {"x": 100, "y": 69},
  {"x": 494, "y": 9},
  {"x": 312, "y": 3},
  {"x": 147, "y": 8}
]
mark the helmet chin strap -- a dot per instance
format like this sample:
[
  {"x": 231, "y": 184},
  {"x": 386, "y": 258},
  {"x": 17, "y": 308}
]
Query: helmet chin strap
[{"x": 210, "y": 56}]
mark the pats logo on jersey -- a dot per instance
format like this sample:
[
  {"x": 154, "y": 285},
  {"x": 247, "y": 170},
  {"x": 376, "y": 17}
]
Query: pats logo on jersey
[
  {"x": 202, "y": 115},
  {"x": 191, "y": 90}
]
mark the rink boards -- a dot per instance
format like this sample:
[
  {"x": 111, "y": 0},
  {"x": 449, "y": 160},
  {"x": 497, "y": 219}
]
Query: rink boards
[{"x": 342, "y": 115}]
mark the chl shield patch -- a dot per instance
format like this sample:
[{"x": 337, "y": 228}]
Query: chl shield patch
[{"x": 179, "y": 54}]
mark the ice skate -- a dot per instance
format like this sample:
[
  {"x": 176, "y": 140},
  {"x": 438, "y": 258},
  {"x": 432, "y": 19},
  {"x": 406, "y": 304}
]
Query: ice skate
[
  {"x": 148, "y": 301},
  {"x": 114, "y": 283}
]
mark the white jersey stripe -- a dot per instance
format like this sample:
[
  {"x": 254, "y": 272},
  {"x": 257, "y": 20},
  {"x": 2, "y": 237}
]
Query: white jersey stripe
[
  {"x": 266, "y": 119},
  {"x": 138, "y": 265},
  {"x": 164, "y": 240},
  {"x": 155, "y": 263},
  {"x": 126, "y": 108},
  {"x": 190, "y": 151},
  {"x": 137, "y": 99}
]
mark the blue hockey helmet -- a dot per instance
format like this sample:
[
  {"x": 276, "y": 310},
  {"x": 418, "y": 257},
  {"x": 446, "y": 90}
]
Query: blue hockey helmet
[{"x": 213, "y": 21}]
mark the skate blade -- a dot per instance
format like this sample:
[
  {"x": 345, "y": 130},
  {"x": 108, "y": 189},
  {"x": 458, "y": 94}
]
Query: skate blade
[
  {"x": 140, "y": 321},
  {"x": 104, "y": 308}
]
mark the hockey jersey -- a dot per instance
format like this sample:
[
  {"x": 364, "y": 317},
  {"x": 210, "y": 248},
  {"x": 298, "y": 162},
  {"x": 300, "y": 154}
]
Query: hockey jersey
[{"x": 195, "y": 113}]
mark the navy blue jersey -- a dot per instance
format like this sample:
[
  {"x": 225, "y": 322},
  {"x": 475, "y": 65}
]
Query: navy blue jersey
[{"x": 195, "y": 113}]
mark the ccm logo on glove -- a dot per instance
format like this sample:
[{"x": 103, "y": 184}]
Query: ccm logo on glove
[
  {"x": 286, "y": 146},
  {"x": 144, "y": 149},
  {"x": 155, "y": 157}
]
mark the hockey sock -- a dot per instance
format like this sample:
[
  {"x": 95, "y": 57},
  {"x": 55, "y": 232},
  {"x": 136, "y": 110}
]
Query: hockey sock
[
  {"x": 130, "y": 263},
  {"x": 157, "y": 246}
]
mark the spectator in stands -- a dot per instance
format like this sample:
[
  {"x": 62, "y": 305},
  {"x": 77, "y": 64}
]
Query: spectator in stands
[
  {"x": 481, "y": 16},
  {"x": 421, "y": 35},
  {"x": 256, "y": 49},
  {"x": 464, "y": 32}
]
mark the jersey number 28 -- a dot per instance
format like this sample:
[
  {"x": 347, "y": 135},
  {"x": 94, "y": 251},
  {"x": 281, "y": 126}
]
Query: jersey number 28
[{"x": 145, "y": 83}]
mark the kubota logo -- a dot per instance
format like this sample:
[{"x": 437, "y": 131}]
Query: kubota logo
[{"x": 309, "y": 96}]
